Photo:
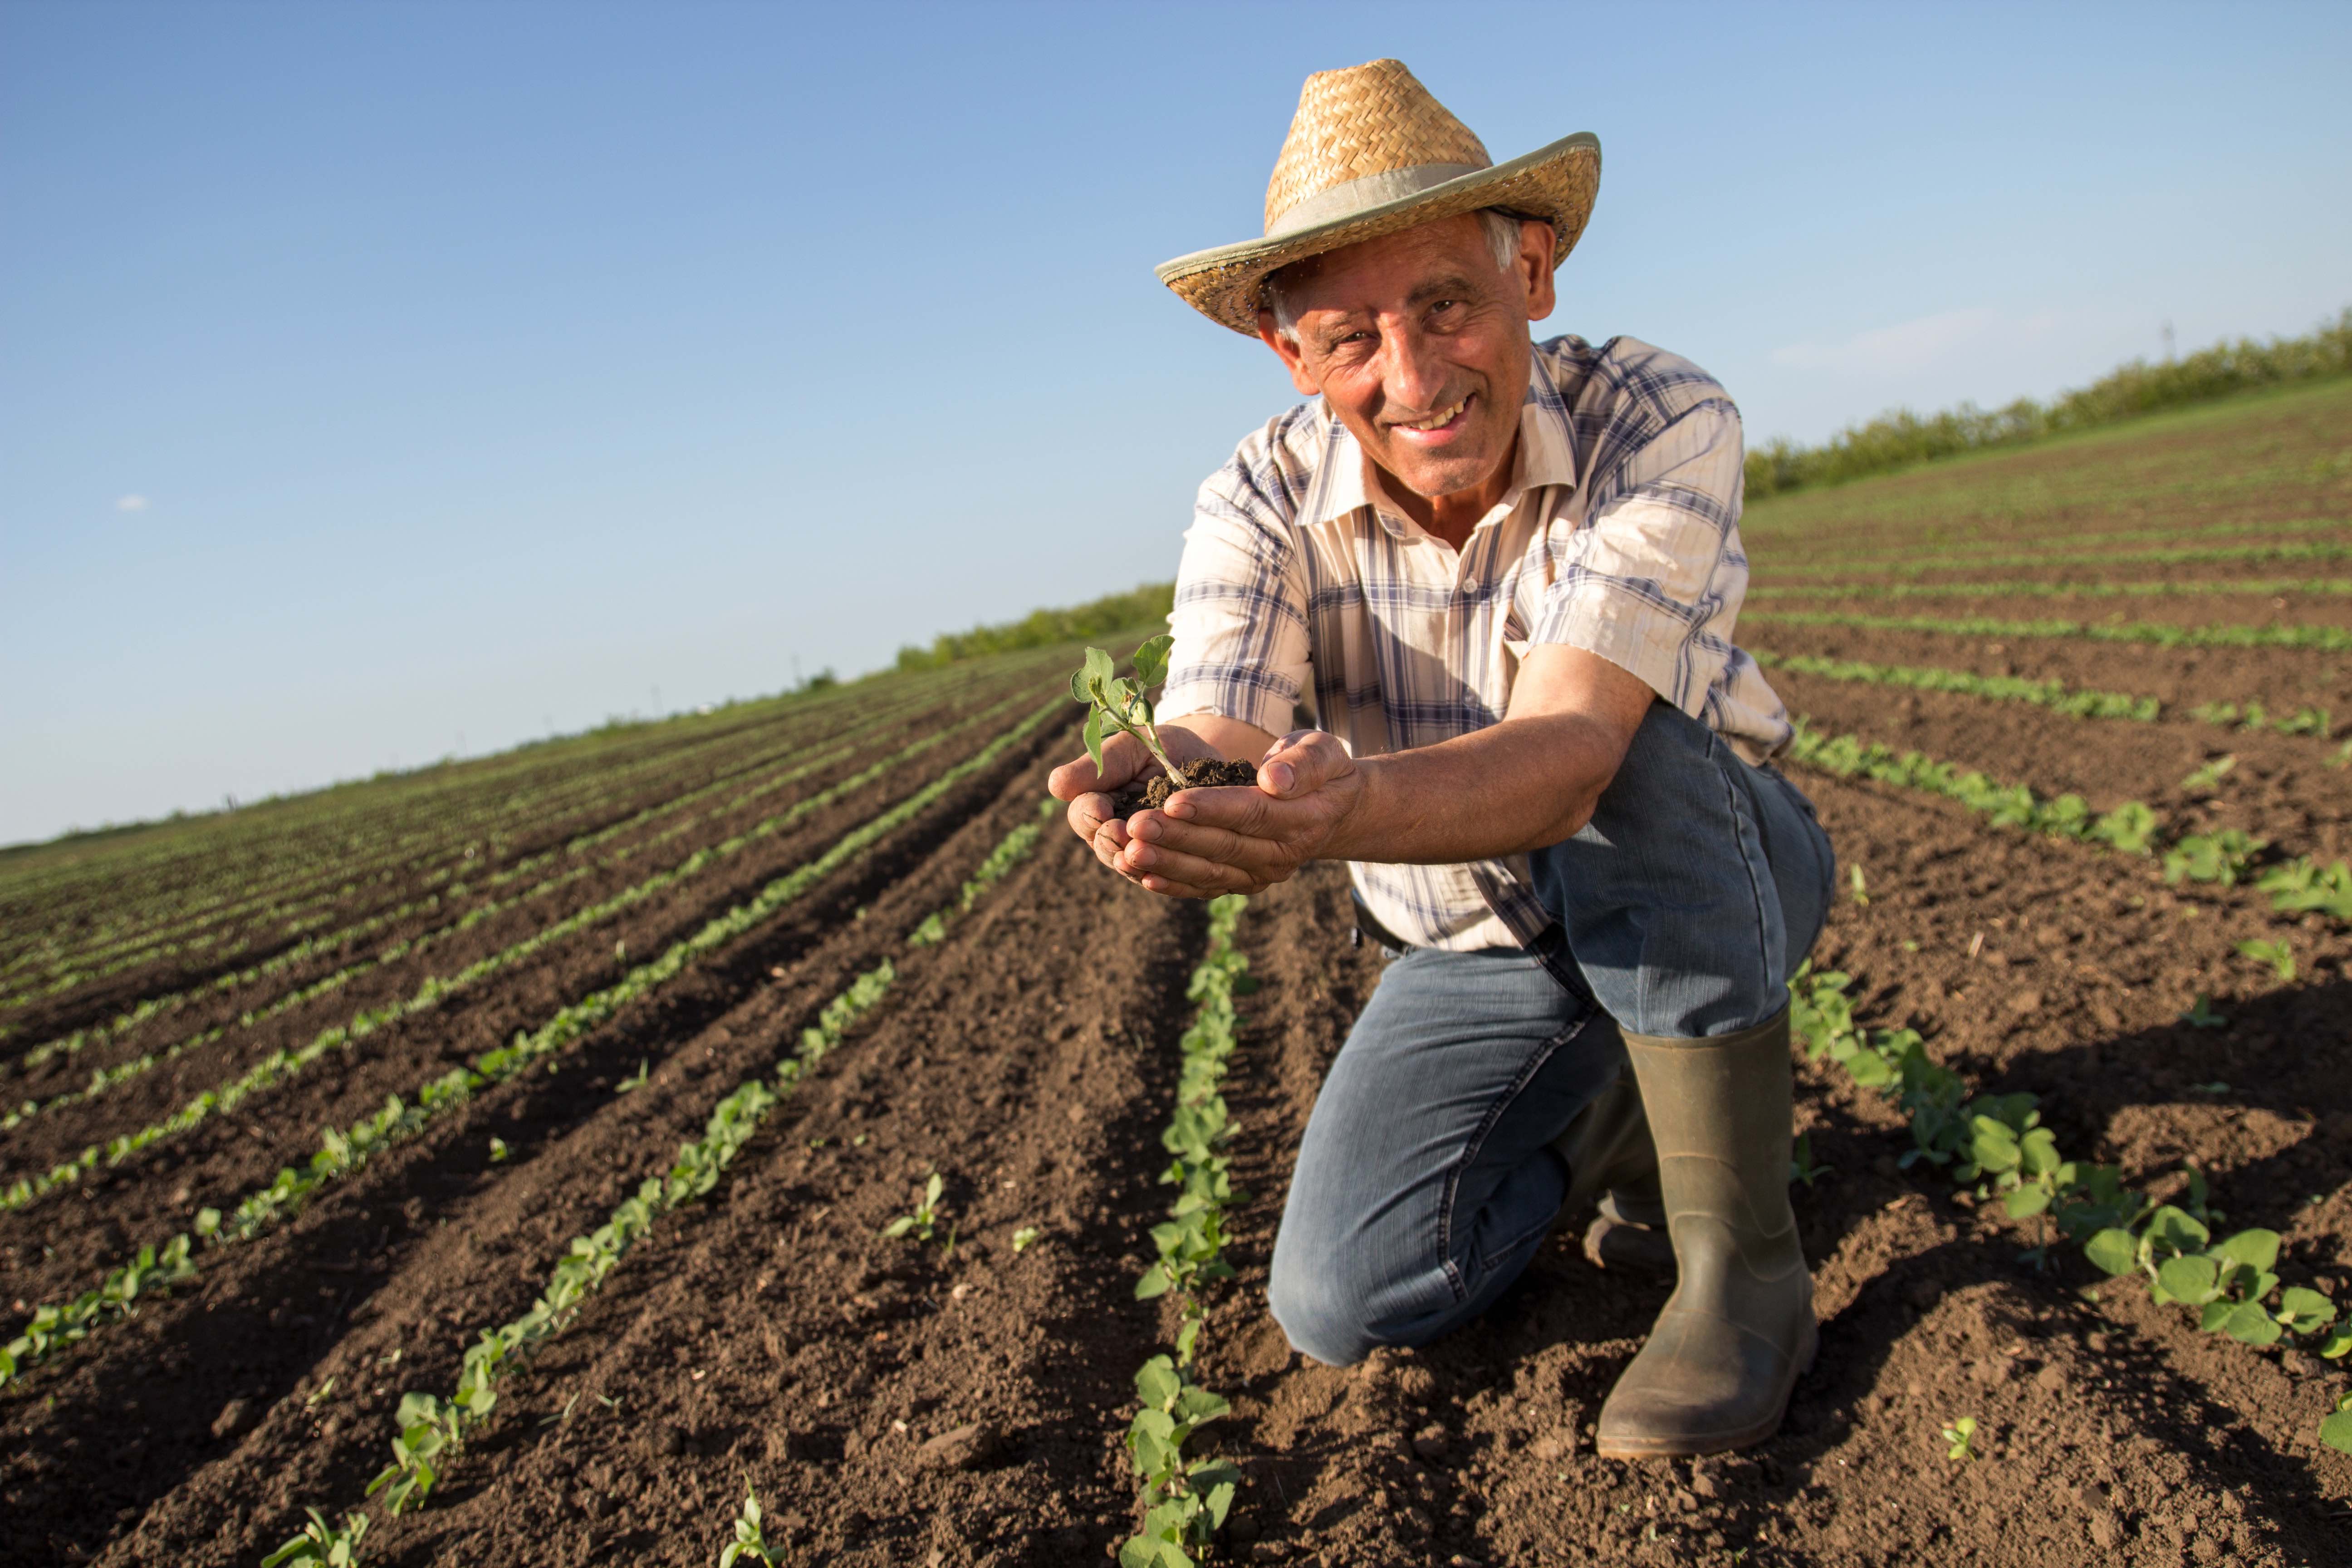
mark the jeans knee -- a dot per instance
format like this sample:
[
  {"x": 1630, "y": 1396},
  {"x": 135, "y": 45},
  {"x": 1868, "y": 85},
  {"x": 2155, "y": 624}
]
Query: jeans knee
[{"x": 1319, "y": 1311}]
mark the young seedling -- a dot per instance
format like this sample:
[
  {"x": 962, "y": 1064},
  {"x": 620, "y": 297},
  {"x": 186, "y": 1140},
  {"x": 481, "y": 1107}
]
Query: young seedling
[
  {"x": 750, "y": 1542},
  {"x": 1860, "y": 889},
  {"x": 2206, "y": 779},
  {"x": 635, "y": 1080},
  {"x": 1025, "y": 1238},
  {"x": 320, "y": 1395},
  {"x": 1961, "y": 1435},
  {"x": 499, "y": 1151},
  {"x": 2202, "y": 1015},
  {"x": 322, "y": 1546},
  {"x": 1802, "y": 1165},
  {"x": 1119, "y": 706},
  {"x": 2337, "y": 1430},
  {"x": 924, "y": 1221},
  {"x": 2277, "y": 955}
]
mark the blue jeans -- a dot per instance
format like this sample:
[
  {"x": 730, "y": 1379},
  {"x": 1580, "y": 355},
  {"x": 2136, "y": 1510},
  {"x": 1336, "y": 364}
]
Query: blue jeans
[{"x": 1425, "y": 1180}]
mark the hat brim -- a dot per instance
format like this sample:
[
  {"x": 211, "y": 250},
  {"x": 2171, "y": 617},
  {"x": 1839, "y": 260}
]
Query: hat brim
[{"x": 1557, "y": 184}]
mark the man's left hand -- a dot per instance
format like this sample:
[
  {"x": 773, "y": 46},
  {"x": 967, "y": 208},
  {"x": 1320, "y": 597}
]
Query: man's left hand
[{"x": 1246, "y": 838}]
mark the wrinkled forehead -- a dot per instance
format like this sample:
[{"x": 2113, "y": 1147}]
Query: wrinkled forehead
[{"x": 1388, "y": 269}]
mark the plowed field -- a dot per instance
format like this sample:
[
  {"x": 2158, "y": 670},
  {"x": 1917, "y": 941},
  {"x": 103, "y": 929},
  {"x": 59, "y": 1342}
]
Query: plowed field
[{"x": 388, "y": 1055}]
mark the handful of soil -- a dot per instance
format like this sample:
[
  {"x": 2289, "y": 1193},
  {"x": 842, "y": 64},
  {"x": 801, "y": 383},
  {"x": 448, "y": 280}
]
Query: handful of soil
[{"x": 1206, "y": 774}]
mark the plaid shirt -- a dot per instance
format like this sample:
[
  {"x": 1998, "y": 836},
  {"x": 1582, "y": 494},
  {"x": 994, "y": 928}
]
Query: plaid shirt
[{"x": 1299, "y": 569}]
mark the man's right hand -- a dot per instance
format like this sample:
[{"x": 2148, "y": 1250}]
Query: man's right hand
[{"x": 1091, "y": 814}]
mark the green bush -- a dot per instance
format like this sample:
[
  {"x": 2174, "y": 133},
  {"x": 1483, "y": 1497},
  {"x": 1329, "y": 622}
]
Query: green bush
[
  {"x": 1098, "y": 618},
  {"x": 1899, "y": 438}
]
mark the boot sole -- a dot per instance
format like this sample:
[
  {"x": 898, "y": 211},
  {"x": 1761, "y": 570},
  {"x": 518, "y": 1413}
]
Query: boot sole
[{"x": 1691, "y": 1444}]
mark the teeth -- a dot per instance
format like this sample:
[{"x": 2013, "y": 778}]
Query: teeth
[{"x": 1440, "y": 419}]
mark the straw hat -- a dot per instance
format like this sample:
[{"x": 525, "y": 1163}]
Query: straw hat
[{"x": 1371, "y": 153}]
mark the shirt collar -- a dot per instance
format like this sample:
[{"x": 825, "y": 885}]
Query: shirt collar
[{"x": 1547, "y": 453}]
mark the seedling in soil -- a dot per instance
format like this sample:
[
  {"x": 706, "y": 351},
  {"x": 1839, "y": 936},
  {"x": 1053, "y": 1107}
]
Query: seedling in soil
[
  {"x": 1117, "y": 705},
  {"x": 1860, "y": 889},
  {"x": 1025, "y": 1238},
  {"x": 925, "y": 1220},
  {"x": 2277, "y": 955},
  {"x": 2210, "y": 776},
  {"x": 323, "y": 1544},
  {"x": 499, "y": 1151},
  {"x": 1802, "y": 1166},
  {"x": 751, "y": 1544},
  {"x": 1961, "y": 1435},
  {"x": 2337, "y": 1430},
  {"x": 320, "y": 1395},
  {"x": 2203, "y": 1017},
  {"x": 1188, "y": 1500},
  {"x": 636, "y": 1080}
]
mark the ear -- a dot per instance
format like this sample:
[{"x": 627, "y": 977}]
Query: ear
[
  {"x": 1287, "y": 352},
  {"x": 1537, "y": 244}
]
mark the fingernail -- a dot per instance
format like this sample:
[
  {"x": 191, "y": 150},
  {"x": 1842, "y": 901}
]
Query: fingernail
[{"x": 1282, "y": 776}]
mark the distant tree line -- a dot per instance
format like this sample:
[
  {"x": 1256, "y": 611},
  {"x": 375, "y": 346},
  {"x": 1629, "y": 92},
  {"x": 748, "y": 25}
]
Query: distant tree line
[
  {"x": 1900, "y": 437},
  {"x": 1146, "y": 606}
]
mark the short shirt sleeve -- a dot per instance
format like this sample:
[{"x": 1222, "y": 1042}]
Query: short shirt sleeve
[
  {"x": 1653, "y": 577},
  {"x": 1240, "y": 620}
]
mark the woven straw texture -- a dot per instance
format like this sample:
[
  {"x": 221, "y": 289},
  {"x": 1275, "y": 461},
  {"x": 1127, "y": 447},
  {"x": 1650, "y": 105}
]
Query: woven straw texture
[
  {"x": 1377, "y": 118},
  {"x": 1365, "y": 120}
]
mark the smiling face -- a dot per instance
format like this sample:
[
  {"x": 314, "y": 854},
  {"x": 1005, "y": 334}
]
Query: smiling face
[{"x": 1419, "y": 343}]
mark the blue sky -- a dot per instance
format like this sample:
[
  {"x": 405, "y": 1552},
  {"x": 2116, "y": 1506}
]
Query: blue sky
[{"x": 380, "y": 380}]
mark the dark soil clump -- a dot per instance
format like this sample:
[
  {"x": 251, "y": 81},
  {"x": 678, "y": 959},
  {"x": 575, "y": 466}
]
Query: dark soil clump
[{"x": 1206, "y": 774}]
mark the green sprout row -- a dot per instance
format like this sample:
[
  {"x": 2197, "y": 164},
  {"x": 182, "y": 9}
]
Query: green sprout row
[
  {"x": 344, "y": 1150},
  {"x": 1186, "y": 1496},
  {"x": 430, "y": 1430},
  {"x": 1997, "y": 1144}
]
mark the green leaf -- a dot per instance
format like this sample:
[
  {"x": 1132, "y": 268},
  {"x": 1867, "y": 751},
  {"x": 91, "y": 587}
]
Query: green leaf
[
  {"x": 1151, "y": 660},
  {"x": 2027, "y": 1201},
  {"x": 2252, "y": 1325},
  {"x": 2192, "y": 1279},
  {"x": 2336, "y": 1431},
  {"x": 2113, "y": 1251},
  {"x": 1870, "y": 1069},
  {"x": 2256, "y": 1248},
  {"x": 1157, "y": 1383},
  {"x": 2216, "y": 1316},
  {"x": 1100, "y": 668},
  {"x": 2337, "y": 1342},
  {"x": 2173, "y": 1230},
  {"x": 1092, "y": 736},
  {"x": 2304, "y": 1310}
]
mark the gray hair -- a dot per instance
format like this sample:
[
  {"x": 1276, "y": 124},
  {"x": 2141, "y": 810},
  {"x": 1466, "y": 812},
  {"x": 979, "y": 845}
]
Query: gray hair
[{"x": 1502, "y": 242}]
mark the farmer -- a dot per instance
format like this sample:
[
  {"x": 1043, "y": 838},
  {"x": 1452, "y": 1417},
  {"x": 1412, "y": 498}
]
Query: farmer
[{"x": 1505, "y": 574}]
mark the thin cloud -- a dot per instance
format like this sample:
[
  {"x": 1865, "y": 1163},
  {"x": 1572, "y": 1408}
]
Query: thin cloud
[
  {"x": 1911, "y": 346},
  {"x": 131, "y": 503}
]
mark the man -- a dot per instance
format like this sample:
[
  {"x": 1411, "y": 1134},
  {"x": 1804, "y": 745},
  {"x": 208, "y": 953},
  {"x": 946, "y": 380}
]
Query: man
[{"x": 1508, "y": 573}]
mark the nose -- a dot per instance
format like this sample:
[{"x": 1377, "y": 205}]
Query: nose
[{"x": 1416, "y": 377}]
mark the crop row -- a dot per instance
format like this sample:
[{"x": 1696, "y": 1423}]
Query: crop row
[
  {"x": 2296, "y": 885},
  {"x": 2014, "y": 588},
  {"x": 1997, "y": 1145},
  {"x": 1790, "y": 558},
  {"x": 2174, "y": 555},
  {"x": 447, "y": 820},
  {"x": 460, "y": 837},
  {"x": 107, "y": 1033},
  {"x": 1185, "y": 1496},
  {"x": 2324, "y": 639},
  {"x": 344, "y": 1150},
  {"x": 291, "y": 873},
  {"x": 283, "y": 1064},
  {"x": 2053, "y": 695},
  {"x": 429, "y": 1430}
]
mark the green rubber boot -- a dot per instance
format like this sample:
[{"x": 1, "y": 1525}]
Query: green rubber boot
[
  {"x": 1720, "y": 1362},
  {"x": 1612, "y": 1161}
]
